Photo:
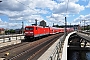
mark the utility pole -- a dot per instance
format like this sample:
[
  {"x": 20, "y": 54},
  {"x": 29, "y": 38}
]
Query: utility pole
[
  {"x": 80, "y": 26},
  {"x": 53, "y": 24},
  {"x": 70, "y": 25},
  {"x": 36, "y": 22},
  {"x": 80, "y": 23},
  {"x": 87, "y": 26},
  {"x": 84, "y": 23},
  {"x": 22, "y": 27},
  {"x": 65, "y": 32}
]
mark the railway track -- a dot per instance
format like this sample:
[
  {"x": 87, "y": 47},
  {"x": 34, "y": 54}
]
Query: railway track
[
  {"x": 7, "y": 48},
  {"x": 28, "y": 50},
  {"x": 44, "y": 47}
]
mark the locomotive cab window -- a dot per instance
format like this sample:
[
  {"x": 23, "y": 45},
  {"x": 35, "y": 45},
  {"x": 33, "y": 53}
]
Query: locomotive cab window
[{"x": 29, "y": 28}]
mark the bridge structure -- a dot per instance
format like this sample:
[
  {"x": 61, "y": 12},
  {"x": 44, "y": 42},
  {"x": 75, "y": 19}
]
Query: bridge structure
[
  {"x": 76, "y": 40},
  {"x": 73, "y": 41}
]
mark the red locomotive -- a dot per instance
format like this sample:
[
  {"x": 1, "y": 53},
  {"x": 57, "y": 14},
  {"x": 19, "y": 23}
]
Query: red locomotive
[{"x": 37, "y": 31}]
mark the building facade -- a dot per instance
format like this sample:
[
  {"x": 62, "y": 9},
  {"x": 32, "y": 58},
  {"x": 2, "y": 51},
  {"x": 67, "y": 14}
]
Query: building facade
[
  {"x": 2, "y": 30},
  {"x": 43, "y": 23}
]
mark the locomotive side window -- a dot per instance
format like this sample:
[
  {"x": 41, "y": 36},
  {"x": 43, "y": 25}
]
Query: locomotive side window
[
  {"x": 29, "y": 28},
  {"x": 36, "y": 28}
]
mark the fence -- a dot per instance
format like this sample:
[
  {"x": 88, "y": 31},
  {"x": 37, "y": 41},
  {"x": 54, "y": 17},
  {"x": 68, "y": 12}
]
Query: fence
[{"x": 8, "y": 38}]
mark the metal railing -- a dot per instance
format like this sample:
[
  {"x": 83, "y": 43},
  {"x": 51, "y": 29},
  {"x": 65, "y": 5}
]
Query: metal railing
[
  {"x": 60, "y": 51},
  {"x": 56, "y": 54}
]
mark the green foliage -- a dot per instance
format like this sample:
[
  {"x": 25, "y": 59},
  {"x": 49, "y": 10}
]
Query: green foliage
[
  {"x": 56, "y": 25},
  {"x": 86, "y": 28},
  {"x": 11, "y": 31}
]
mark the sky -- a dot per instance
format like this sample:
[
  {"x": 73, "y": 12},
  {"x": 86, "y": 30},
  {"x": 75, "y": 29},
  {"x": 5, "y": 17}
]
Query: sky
[{"x": 14, "y": 12}]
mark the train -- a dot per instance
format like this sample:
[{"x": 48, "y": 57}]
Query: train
[{"x": 38, "y": 31}]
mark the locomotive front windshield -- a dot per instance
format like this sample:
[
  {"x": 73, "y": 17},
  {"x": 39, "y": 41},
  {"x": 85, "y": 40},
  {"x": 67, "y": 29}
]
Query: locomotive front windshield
[{"x": 29, "y": 28}]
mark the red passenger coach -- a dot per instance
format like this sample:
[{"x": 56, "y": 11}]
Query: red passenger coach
[
  {"x": 51, "y": 30},
  {"x": 70, "y": 29},
  {"x": 54, "y": 30},
  {"x": 46, "y": 30},
  {"x": 61, "y": 30}
]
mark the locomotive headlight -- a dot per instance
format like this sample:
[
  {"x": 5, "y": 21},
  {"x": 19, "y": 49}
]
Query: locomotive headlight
[
  {"x": 31, "y": 32},
  {"x": 26, "y": 32}
]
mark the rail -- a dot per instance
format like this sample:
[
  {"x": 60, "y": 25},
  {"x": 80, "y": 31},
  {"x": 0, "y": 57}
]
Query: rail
[
  {"x": 8, "y": 38},
  {"x": 85, "y": 32},
  {"x": 84, "y": 36}
]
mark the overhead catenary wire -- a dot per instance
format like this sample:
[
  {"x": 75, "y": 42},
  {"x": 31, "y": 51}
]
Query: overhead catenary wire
[
  {"x": 19, "y": 12},
  {"x": 26, "y": 6},
  {"x": 23, "y": 4},
  {"x": 67, "y": 6}
]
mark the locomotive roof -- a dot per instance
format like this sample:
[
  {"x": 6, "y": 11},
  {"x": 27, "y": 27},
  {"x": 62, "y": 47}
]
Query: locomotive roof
[{"x": 33, "y": 26}]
